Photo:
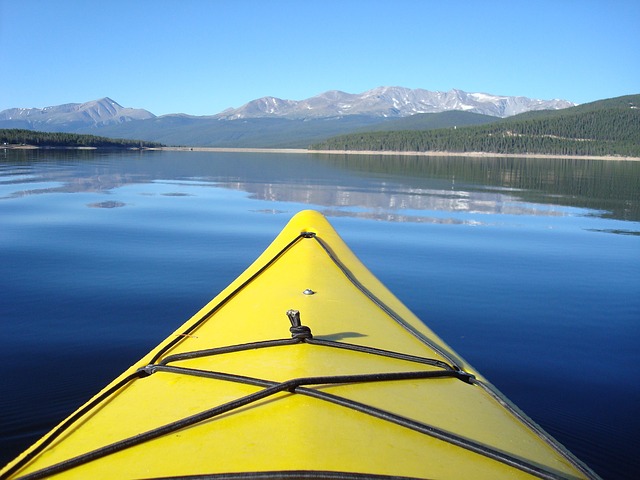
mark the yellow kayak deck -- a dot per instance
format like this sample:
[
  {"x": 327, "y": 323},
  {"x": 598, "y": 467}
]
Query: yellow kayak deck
[{"x": 305, "y": 366}]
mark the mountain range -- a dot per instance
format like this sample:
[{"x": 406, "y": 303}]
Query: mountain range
[
  {"x": 390, "y": 102},
  {"x": 606, "y": 127},
  {"x": 71, "y": 116},
  {"x": 274, "y": 122}
]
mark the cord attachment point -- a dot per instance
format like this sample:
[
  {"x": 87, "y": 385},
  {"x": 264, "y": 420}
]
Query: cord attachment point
[
  {"x": 297, "y": 329},
  {"x": 147, "y": 370},
  {"x": 466, "y": 376}
]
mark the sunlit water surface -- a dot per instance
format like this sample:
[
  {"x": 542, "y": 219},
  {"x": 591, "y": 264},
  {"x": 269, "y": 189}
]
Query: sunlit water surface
[{"x": 529, "y": 268}]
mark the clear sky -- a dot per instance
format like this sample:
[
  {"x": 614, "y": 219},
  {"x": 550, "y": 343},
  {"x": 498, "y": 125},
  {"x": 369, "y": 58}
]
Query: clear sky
[{"x": 202, "y": 56}]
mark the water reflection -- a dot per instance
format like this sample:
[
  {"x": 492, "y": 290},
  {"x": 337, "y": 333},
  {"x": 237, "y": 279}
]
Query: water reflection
[
  {"x": 611, "y": 188},
  {"x": 135, "y": 238},
  {"x": 403, "y": 188},
  {"x": 388, "y": 202},
  {"x": 108, "y": 204}
]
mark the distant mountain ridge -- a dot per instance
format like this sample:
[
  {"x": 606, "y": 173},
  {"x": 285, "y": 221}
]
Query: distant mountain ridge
[
  {"x": 603, "y": 128},
  {"x": 378, "y": 102},
  {"x": 273, "y": 122},
  {"x": 391, "y": 102},
  {"x": 104, "y": 111}
]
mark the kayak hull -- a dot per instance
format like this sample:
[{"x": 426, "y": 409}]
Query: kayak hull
[{"x": 305, "y": 366}]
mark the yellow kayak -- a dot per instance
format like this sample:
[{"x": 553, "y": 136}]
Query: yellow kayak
[{"x": 305, "y": 366}]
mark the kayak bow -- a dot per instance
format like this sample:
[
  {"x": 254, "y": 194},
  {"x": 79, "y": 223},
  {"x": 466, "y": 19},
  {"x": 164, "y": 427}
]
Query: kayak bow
[{"x": 305, "y": 366}]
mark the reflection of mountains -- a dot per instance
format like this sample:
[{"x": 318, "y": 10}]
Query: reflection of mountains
[
  {"x": 386, "y": 187},
  {"x": 610, "y": 186},
  {"x": 60, "y": 182},
  {"x": 393, "y": 202}
]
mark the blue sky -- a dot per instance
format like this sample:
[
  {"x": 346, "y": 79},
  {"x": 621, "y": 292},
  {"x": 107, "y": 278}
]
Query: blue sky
[{"x": 202, "y": 56}]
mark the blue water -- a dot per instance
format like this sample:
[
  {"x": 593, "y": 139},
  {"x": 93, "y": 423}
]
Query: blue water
[{"x": 529, "y": 269}]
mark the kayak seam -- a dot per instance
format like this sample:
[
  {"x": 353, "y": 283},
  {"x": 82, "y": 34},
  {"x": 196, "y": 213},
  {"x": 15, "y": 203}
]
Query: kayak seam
[
  {"x": 542, "y": 434},
  {"x": 292, "y": 474}
]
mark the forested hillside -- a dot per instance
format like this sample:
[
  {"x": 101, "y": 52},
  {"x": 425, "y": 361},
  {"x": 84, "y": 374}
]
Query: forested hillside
[
  {"x": 69, "y": 140},
  {"x": 607, "y": 127},
  {"x": 433, "y": 121}
]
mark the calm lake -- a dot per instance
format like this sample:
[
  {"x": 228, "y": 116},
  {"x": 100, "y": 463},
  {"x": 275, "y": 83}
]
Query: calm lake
[{"x": 528, "y": 268}]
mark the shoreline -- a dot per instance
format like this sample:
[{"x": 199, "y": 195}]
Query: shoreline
[
  {"x": 344, "y": 152},
  {"x": 401, "y": 153}
]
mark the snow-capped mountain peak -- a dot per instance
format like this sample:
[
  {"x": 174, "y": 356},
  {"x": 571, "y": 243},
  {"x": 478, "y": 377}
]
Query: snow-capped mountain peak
[
  {"x": 390, "y": 102},
  {"x": 104, "y": 111},
  {"x": 385, "y": 101}
]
